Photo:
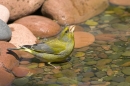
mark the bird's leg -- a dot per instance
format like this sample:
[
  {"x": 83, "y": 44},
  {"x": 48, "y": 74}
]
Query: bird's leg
[{"x": 52, "y": 65}]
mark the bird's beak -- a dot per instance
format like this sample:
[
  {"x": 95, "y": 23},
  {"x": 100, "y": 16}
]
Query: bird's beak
[{"x": 71, "y": 28}]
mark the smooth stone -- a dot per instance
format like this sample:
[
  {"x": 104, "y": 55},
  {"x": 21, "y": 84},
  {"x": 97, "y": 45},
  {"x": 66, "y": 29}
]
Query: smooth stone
[
  {"x": 126, "y": 70},
  {"x": 8, "y": 58},
  {"x": 83, "y": 39},
  {"x": 105, "y": 37},
  {"x": 100, "y": 74},
  {"x": 91, "y": 62},
  {"x": 82, "y": 10},
  {"x": 6, "y": 78},
  {"x": 127, "y": 79},
  {"x": 88, "y": 74},
  {"x": 40, "y": 26},
  {"x": 21, "y": 35},
  {"x": 21, "y": 81},
  {"x": 69, "y": 73},
  {"x": 20, "y": 71},
  {"x": 66, "y": 80},
  {"x": 124, "y": 84},
  {"x": 120, "y": 2},
  {"x": 79, "y": 54},
  {"x": 5, "y": 14},
  {"x": 5, "y": 32},
  {"x": 120, "y": 26},
  {"x": 126, "y": 53},
  {"x": 102, "y": 55},
  {"x": 20, "y": 8},
  {"x": 103, "y": 62},
  {"x": 118, "y": 79}
]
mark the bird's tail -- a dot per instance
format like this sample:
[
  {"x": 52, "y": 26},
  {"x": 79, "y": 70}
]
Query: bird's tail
[{"x": 20, "y": 48}]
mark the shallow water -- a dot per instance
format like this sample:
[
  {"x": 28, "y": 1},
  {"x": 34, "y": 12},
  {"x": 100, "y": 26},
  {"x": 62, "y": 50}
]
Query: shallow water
[{"x": 106, "y": 62}]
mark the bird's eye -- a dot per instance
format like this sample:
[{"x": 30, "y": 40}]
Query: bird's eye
[{"x": 66, "y": 31}]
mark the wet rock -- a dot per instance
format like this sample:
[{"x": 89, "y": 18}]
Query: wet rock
[
  {"x": 5, "y": 32},
  {"x": 127, "y": 79},
  {"x": 120, "y": 2},
  {"x": 6, "y": 78},
  {"x": 118, "y": 79},
  {"x": 100, "y": 74},
  {"x": 65, "y": 80},
  {"x": 91, "y": 23},
  {"x": 40, "y": 26},
  {"x": 102, "y": 55},
  {"x": 88, "y": 74},
  {"x": 103, "y": 61},
  {"x": 126, "y": 53},
  {"x": 80, "y": 8},
  {"x": 53, "y": 85},
  {"x": 126, "y": 70},
  {"x": 69, "y": 73},
  {"x": 83, "y": 39},
  {"x": 21, "y": 81},
  {"x": 32, "y": 65},
  {"x": 79, "y": 54},
  {"x": 41, "y": 65},
  {"x": 106, "y": 47},
  {"x": 8, "y": 59},
  {"x": 120, "y": 26},
  {"x": 96, "y": 82},
  {"x": 20, "y": 8},
  {"x": 5, "y": 14},
  {"x": 124, "y": 84},
  {"x": 21, "y": 35},
  {"x": 36, "y": 70},
  {"x": 108, "y": 78},
  {"x": 91, "y": 62},
  {"x": 20, "y": 71},
  {"x": 115, "y": 55},
  {"x": 86, "y": 79},
  {"x": 78, "y": 28},
  {"x": 105, "y": 37},
  {"x": 58, "y": 75},
  {"x": 66, "y": 66},
  {"x": 110, "y": 72}
]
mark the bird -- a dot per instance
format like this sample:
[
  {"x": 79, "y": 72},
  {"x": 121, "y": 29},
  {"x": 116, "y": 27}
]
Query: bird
[{"x": 57, "y": 49}]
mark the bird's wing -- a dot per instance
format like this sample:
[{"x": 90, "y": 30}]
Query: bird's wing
[{"x": 53, "y": 46}]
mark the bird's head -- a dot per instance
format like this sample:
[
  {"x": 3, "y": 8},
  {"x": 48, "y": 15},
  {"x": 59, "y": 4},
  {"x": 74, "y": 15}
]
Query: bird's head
[{"x": 67, "y": 33}]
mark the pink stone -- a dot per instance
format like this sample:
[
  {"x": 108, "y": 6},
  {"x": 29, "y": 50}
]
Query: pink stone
[
  {"x": 7, "y": 59},
  {"x": 6, "y": 78},
  {"x": 83, "y": 39},
  {"x": 20, "y": 8},
  {"x": 21, "y": 35},
  {"x": 40, "y": 26},
  {"x": 4, "y": 13},
  {"x": 73, "y": 11},
  {"x": 120, "y": 2},
  {"x": 20, "y": 71}
]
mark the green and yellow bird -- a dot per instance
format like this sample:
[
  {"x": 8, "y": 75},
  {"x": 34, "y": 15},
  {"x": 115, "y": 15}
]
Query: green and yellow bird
[{"x": 54, "y": 50}]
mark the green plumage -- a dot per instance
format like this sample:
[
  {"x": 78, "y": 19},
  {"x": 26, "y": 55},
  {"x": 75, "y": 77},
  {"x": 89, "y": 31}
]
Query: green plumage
[{"x": 54, "y": 50}]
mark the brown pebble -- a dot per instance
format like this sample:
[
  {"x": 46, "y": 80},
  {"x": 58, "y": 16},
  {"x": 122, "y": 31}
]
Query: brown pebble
[
  {"x": 106, "y": 47},
  {"x": 83, "y": 39},
  {"x": 105, "y": 37},
  {"x": 40, "y": 26},
  {"x": 41, "y": 65},
  {"x": 20, "y": 71}
]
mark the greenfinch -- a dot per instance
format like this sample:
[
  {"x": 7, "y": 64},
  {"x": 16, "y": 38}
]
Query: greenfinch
[{"x": 54, "y": 50}]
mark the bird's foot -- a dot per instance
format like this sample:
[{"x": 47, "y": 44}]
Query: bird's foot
[{"x": 53, "y": 65}]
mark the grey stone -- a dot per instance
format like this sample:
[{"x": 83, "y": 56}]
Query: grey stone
[{"x": 5, "y": 31}]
